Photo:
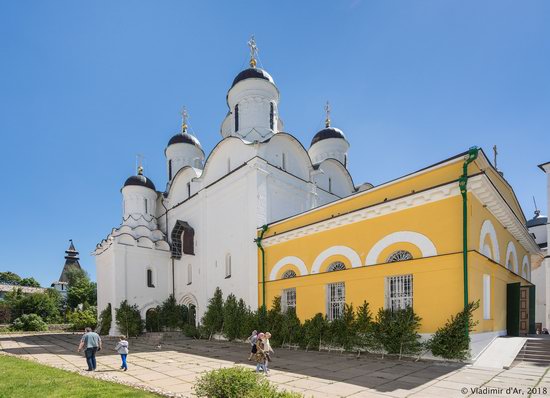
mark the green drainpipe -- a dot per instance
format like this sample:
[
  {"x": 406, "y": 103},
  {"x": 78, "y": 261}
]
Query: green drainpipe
[
  {"x": 259, "y": 243},
  {"x": 463, "y": 184}
]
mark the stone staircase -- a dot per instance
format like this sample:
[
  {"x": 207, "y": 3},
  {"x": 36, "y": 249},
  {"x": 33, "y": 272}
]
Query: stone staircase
[{"x": 535, "y": 351}]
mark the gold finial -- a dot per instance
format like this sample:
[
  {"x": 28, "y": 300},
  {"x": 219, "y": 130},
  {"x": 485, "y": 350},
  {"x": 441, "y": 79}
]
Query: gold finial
[
  {"x": 253, "y": 51},
  {"x": 139, "y": 161},
  {"x": 184, "y": 116},
  {"x": 327, "y": 110}
]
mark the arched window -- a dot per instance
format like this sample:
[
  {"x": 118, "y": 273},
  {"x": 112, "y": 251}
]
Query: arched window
[
  {"x": 236, "y": 117},
  {"x": 170, "y": 169},
  {"x": 336, "y": 266},
  {"x": 228, "y": 266},
  {"x": 150, "y": 278},
  {"x": 399, "y": 255},
  {"x": 289, "y": 274}
]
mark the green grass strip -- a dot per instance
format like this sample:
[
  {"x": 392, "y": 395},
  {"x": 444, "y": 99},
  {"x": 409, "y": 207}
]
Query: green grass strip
[{"x": 22, "y": 378}]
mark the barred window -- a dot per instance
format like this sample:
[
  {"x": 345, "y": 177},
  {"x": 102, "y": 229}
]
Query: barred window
[
  {"x": 336, "y": 266},
  {"x": 399, "y": 255},
  {"x": 399, "y": 292},
  {"x": 289, "y": 274},
  {"x": 336, "y": 299},
  {"x": 288, "y": 299}
]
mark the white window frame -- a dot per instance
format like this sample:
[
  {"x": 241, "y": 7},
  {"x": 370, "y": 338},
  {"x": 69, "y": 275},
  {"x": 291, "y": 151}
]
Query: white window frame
[
  {"x": 486, "y": 296},
  {"x": 288, "y": 299},
  {"x": 227, "y": 266},
  {"x": 336, "y": 300},
  {"x": 399, "y": 291}
]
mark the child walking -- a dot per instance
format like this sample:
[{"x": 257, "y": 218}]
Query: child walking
[{"x": 122, "y": 348}]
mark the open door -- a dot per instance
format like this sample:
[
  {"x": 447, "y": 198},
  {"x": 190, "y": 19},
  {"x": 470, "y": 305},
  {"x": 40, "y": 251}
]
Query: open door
[
  {"x": 532, "y": 326},
  {"x": 512, "y": 308},
  {"x": 524, "y": 310}
]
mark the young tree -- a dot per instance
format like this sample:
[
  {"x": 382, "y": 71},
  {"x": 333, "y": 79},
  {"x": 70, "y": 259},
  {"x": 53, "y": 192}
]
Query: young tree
[
  {"x": 105, "y": 319},
  {"x": 128, "y": 319},
  {"x": 363, "y": 326},
  {"x": 212, "y": 320},
  {"x": 451, "y": 341},
  {"x": 314, "y": 332},
  {"x": 291, "y": 328},
  {"x": 274, "y": 322},
  {"x": 171, "y": 314},
  {"x": 231, "y": 319},
  {"x": 397, "y": 331},
  {"x": 81, "y": 289}
]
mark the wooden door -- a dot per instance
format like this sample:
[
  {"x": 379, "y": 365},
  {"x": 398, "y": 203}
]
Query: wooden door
[{"x": 524, "y": 311}]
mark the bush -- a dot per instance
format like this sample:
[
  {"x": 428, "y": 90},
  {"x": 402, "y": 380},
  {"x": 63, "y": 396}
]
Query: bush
[
  {"x": 451, "y": 341},
  {"x": 82, "y": 319},
  {"x": 315, "y": 331},
  {"x": 192, "y": 331},
  {"x": 397, "y": 331},
  {"x": 363, "y": 326},
  {"x": 47, "y": 305},
  {"x": 212, "y": 320},
  {"x": 171, "y": 315},
  {"x": 105, "y": 320},
  {"x": 5, "y": 313},
  {"x": 237, "y": 382},
  {"x": 128, "y": 319},
  {"x": 29, "y": 322}
]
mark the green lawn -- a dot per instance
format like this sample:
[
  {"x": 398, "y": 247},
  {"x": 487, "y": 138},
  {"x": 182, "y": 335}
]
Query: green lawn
[{"x": 21, "y": 378}]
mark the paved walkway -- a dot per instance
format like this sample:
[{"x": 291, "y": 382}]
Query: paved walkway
[{"x": 175, "y": 366}]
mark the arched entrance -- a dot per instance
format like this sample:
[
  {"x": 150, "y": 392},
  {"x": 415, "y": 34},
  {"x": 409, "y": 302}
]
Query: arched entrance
[
  {"x": 152, "y": 320},
  {"x": 190, "y": 302}
]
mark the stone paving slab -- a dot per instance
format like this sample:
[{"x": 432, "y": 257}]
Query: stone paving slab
[{"x": 176, "y": 366}]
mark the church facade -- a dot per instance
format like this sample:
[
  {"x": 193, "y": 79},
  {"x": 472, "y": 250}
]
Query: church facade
[{"x": 200, "y": 232}]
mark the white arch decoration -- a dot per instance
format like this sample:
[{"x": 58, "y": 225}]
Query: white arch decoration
[
  {"x": 488, "y": 229},
  {"x": 511, "y": 251},
  {"x": 526, "y": 268},
  {"x": 426, "y": 246},
  {"x": 292, "y": 260},
  {"x": 147, "y": 307},
  {"x": 189, "y": 299},
  {"x": 345, "y": 251}
]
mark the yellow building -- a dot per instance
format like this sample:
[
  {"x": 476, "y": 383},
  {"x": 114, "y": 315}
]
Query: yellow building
[{"x": 403, "y": 243}]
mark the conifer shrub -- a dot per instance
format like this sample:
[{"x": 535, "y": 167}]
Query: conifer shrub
[
  {"x": 171, "y": 315},
  {"x": 105, "y": 320},
  {"x": 231, "y": 318},
  {"x": 212, "y": 320},
  {"x": 396, "y": 332},
  {"x": 128, "y": 319},
  {"x": 451, "y": 340},
  {"x": 363, "y": 326},
  {"x": 315, "y": 330}
]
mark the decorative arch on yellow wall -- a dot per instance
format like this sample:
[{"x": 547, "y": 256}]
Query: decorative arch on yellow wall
[
  {"x": 345, "y": 251},
  {"x": 488, "y": 230},
  {"x": 289, "y": 260},
  {"x": 511, "y": 254},
  {"x": 526, "y": 268},
  {"x": 424, "y": 244}
]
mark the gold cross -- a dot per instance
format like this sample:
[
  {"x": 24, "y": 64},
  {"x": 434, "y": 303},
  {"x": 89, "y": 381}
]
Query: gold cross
[
  {"x": 184, "y": 116},
  {"x": 253, "y": 51},
  {"x": 327, "y": 110}
]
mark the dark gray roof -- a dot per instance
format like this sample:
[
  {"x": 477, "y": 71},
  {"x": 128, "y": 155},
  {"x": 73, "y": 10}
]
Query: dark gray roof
[
  {"x": 184, "y": 138},
  {"x": 253, "y": 73},
  {"x": 140, "y": 180},
  {"x": 537, "y": 220},
  {"x": 329, "y": 132}
]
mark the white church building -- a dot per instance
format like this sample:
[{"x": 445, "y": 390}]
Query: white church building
[{"x": 199, "y": 233}]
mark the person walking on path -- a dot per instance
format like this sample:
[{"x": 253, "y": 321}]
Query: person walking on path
[
  {"x": 268, "y": 351},
  {"x": 122, "y": 348},
  {"x": 259, "y": 356},
  {"x": 91, "y": 342},
  {"x": 253, "y": 339}
]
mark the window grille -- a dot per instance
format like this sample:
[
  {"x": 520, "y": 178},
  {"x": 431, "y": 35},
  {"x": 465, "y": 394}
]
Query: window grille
[
  {"x": 400, "y": 255},
  {"x": 236, "y": 117},
  {"x": 189, "y": 274},
  {"x": 183, "y": 237},
  {"x": 336, "y": 266},
  {"x": 289, "y": 274},
  {"x": 288, "y": 299},
  {"x": 336, "y": 300},
  {"x": 150, "y": 278},
  {"x": 399, "y": 292},
  {"x": 228, "y": 266}
]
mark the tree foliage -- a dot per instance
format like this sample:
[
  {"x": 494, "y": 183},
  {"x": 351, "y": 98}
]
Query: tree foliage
[
  {"x": 82, "y": 319},
  {"x": 451, "y": 340},
  {"x": 29, "y": 323},
  {"x": 105, "y": 320},
  {"x": 212, "y": 321},
  {"x": 128, "y": 319},
  {"x": 9, "y": 278},
  {"x": 397, "y": 331},
  {"x": 81, "y": 289},
  {"x": 47, "y": 305}
]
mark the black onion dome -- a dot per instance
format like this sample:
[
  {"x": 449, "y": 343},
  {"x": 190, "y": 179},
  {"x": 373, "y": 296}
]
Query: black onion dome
[
  {"x": 184, "y": 138},
  {"x": 536, "y": 221},
  {"x": 329, "y": 132},
  {"x": 141, "y": 181},
  {"x": 253, "y": 73}
]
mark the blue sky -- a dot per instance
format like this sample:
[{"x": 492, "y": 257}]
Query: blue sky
[{"x": 85, "y": 86}]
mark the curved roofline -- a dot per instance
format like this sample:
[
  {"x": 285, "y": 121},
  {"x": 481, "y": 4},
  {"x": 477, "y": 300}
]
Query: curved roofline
[
  {"x": 178, "y": 173},
  {"x": 340, "y": 164},
  {"x": 185, "y": 143}
]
